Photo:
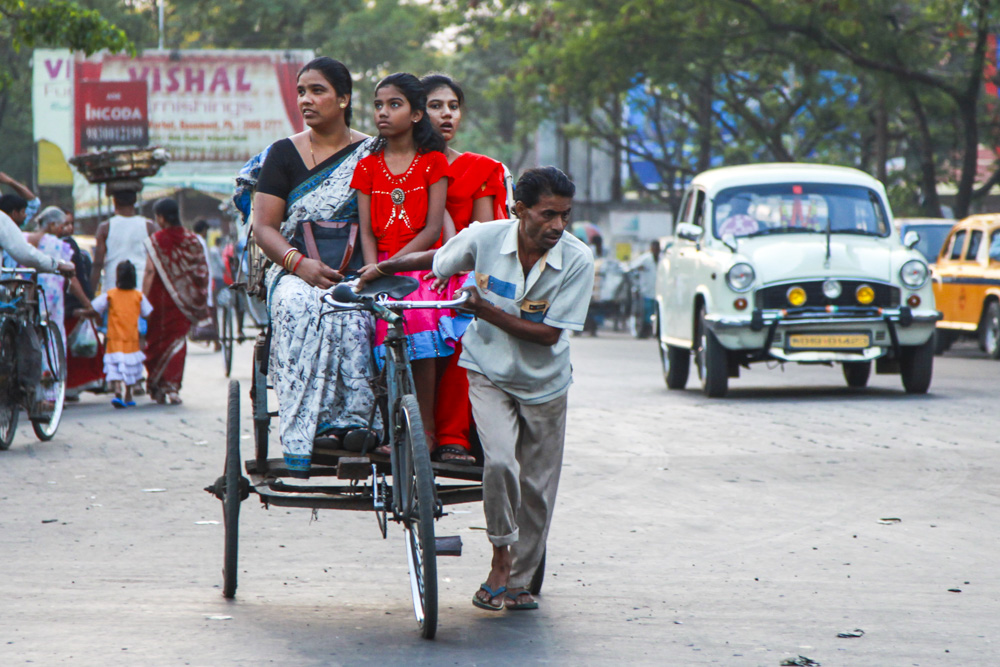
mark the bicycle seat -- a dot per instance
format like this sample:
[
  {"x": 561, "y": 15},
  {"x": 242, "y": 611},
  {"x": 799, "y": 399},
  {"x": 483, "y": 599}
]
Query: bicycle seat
[{"x": 395, "y": 286}]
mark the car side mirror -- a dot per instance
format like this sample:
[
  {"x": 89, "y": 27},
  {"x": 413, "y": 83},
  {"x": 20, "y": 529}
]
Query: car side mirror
[
  {"x": 689, "y": 232},
  {"x": 911, "y": 239}
]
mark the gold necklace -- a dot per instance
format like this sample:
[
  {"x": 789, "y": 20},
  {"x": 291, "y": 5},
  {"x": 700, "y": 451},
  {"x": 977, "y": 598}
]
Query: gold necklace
[{"x": 313, "y": 155}]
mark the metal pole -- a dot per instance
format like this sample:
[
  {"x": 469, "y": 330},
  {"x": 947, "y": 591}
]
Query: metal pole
[{"x": 160, "y": 23}]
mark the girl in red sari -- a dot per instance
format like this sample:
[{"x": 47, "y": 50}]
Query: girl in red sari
[
  {"x": 176, "y": 284},
  {"x": 476, "y": 192}
]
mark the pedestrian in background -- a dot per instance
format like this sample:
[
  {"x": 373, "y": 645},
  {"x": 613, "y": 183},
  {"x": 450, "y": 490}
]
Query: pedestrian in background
[
  {"x": 123, "y": 357},
  {"x": 176, "y": 284},
  {"x": 119, "y": 238},
  {"x": 21, "y": 206},
  {"x": 81, "y": 372}
]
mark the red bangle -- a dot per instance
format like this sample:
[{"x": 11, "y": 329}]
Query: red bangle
[{"x": 299, "y": 261}]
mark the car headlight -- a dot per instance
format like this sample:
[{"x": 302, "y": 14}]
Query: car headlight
[
  {"x": 914, "y": 274},
  {"x": 740, "y": 277}
]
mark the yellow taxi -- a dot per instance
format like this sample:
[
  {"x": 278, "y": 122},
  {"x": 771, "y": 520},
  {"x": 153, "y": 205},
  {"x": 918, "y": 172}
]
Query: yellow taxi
[{"x": 967, "y": 284}]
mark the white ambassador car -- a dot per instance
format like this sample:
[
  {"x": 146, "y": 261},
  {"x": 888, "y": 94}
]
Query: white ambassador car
[{"x": 792, "y": 263}]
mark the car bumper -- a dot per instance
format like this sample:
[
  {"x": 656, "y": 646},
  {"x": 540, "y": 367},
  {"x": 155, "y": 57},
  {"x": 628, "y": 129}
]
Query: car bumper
[{"x": 767, "y": 331}]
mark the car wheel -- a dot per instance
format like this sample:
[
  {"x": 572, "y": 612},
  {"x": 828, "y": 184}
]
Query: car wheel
[
  {"x": 713, "y": 361},
  {"x": 989, "y": 332},
  {"x": 916, "y": 364},
  {"x": 857, "y": 373},
  {"x": 676, "y": 364},
  {"x": 942, "y": 341}
]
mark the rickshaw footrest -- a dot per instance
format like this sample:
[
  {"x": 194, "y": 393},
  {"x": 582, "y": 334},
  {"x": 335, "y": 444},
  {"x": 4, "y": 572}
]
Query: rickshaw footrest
[{"x": 351, "y": 467}]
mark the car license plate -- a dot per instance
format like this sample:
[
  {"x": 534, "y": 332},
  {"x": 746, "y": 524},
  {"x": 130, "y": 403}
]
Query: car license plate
[{"x": 847, "y": 341}]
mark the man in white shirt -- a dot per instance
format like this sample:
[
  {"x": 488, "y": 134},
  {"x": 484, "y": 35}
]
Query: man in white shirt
[
  {"x": 25, "y": 254},
  {"x": 120, "y": 238},
  {"x": 22, "y": 206},
  {"x": 532, "y": 285}
]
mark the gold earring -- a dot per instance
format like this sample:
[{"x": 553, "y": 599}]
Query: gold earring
[{"x": 343, "y": 105}]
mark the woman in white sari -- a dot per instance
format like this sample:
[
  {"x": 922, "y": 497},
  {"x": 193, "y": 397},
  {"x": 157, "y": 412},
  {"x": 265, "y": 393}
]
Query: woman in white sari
[{"x": 321, "y": 366}]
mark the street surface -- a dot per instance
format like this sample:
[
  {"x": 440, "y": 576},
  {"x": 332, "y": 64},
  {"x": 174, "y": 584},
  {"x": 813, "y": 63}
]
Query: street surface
[{"x": 741, "y": 531}]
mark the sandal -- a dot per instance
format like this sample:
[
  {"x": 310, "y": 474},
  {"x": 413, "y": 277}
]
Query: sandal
[
  {"x": 458, "y": 455},
  {"x": 118, "y": 402},
  {"x": 174, "y": 399},
  {"x": 494, "y": 594},
  {"x": 514, "y": 605}
]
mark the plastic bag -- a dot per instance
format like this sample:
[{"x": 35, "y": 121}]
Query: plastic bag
[{"x": 83, "y": 340}]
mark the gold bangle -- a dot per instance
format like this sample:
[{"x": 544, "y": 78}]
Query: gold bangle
[
  {"x": 380, "y": 271},
  {"x": 290, "y": 259}
]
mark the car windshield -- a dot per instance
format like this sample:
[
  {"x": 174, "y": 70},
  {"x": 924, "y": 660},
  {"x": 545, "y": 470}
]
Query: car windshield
[
  {"x": 799, "y": 208},
  {"x": 932, "y": 238}
]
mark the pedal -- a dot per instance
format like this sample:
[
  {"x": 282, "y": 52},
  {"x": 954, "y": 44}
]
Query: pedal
[
  {"x": 350, "y": 467},
  {"x": 448, "y": 546}
]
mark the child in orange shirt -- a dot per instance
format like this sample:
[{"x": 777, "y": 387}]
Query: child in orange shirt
[{"x": 122, "y": 357}]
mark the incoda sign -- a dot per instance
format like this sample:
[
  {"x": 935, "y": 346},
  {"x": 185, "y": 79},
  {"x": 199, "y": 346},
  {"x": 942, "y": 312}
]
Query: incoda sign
[{"x": 111, "y": 114}]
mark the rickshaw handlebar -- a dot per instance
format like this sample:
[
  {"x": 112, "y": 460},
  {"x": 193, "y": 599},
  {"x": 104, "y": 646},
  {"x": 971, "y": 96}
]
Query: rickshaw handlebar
[{"x": 343, "y": 298}]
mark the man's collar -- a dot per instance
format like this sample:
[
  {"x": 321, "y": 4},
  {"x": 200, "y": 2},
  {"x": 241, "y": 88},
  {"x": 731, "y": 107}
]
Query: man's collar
[{"x": 552, "y": 258}]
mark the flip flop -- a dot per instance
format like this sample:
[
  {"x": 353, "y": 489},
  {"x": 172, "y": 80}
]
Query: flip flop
[
  {"x": 129, "y": 404},
  {"x": 454, "y": 450},
  {"x": 493, "y": 594},
  {"x": 518, "y": 606},
  {"x": 117, "y": 402}
]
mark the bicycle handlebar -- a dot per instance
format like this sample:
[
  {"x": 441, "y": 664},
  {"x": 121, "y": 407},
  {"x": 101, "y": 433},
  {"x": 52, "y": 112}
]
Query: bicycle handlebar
[{"x": 343, "y": 297}]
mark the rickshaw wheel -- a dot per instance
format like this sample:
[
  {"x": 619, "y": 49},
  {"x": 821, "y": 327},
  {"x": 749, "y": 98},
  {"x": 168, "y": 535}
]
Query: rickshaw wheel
[
  {"x": 536, "y": 580},
  {"x": 258, "y": 399},
  {"x": 232, "y": 496},
  {"x": 54, "y": 356},
  {"x": 418, "y": 507},
  {"x": 226, "y": 337},
  {"x": 9, "y": 408}
]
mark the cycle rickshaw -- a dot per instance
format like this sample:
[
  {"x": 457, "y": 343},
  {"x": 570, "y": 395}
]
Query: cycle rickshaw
[
  {"x": 238, "y": 301},
  {"x": 405, "y": 487},
  {"x": 32, "y": 358}
]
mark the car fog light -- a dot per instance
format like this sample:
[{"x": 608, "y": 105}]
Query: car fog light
[
  {"x": 740, "y": 304},
  {"x": 796, "y": 296},
  {"x": 832, "y": 289},
  {"x": 865, "y": 295},
  {"x": 913, "y": 301}
]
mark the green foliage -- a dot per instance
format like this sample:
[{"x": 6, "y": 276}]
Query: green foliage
[{"x": 60, "y": 23}]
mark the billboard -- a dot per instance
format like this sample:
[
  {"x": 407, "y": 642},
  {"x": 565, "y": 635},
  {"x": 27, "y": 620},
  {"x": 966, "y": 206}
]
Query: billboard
[
  {"x": 111, "y": 114},
  {"x": 210, "y": 106}
]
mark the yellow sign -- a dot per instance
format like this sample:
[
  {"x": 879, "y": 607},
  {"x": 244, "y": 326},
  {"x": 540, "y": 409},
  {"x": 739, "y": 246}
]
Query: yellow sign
[
  {"x": 829, "y": 341},
  {"x": 52, "y": 166},
  {"x": 623, "y": 252}
]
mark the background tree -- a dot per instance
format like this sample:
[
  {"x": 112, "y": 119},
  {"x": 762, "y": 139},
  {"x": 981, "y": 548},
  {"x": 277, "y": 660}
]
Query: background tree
[{"x": 56, "y": 23}]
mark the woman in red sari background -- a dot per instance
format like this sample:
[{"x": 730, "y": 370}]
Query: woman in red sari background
[
  {"x": 476, "y": 192},
  {"x": 176, "y": 284}
]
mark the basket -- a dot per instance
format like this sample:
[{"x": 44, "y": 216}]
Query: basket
[{"x": 130, "y": 164}]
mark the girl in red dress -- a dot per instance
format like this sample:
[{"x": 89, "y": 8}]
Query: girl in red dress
[
  {"x": 476, "y": 192},
  {"x": 401, "y": 198}
]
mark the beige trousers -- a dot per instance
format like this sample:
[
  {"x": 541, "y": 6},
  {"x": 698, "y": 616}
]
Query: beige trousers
[{"x": 523, "y": 448}]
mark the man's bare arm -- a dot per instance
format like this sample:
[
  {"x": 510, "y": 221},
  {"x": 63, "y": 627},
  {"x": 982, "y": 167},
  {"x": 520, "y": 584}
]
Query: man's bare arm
[{"x": 533, "y": 332}]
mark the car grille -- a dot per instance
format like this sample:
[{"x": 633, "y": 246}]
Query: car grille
[{"x": 775, "y": 296}]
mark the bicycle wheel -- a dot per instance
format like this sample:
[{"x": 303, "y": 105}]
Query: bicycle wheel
[
  {"x": 232, "y": 494},
  {"x": 226, "y": 337},
  {"x": 418, "y": 504},
  {"x": 54, "y": 386},
  {"x": 9, "y": 407}
]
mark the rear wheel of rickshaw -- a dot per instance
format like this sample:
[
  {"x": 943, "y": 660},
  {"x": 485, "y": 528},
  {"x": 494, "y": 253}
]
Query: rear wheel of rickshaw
[
  {"x": 53, "y": 382},
  {"x": 9, "y": 407},
  {"x": 231, "y": 493},
  {"x": 418, "y": 505},
  {"x": 258, "y": 400}
]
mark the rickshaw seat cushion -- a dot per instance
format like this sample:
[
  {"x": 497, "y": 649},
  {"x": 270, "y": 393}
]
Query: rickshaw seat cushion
[{"x": 395, "y": 286}]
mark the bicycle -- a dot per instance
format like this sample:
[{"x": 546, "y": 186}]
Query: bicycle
[{"x": 32, "y": 377}]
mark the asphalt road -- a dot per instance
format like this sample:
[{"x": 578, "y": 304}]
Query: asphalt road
[{"x": 688, "y": 531}]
